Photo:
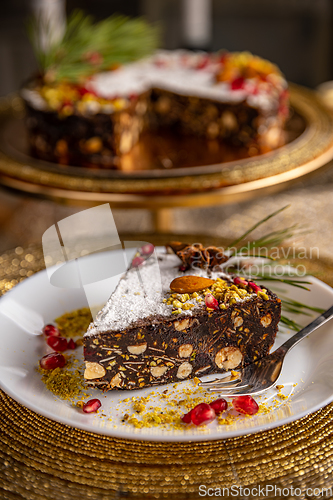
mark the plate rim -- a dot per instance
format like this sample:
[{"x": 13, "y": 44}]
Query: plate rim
[{"x": 171, "y": 437}]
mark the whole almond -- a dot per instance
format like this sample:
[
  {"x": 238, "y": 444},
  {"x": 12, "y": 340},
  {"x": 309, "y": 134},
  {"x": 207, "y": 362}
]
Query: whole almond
[{"x": 190, "y": 284}]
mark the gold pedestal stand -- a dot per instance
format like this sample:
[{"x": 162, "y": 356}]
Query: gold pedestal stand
[{"x": 160, "y": 190}]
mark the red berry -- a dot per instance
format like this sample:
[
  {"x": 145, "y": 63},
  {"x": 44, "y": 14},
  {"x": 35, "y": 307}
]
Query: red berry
[
  {"x": 94, "y": 57},
  {"x": 223, "y": 57},
  {"x": 187, "y": 417},
  {"x": 91, "y": 406},
  {"x": 203, "y": 62},
  {"x": 57, "y": 343},
  {"x": 52, "y": 361},
  {"x": 237, "y": 83},
  {"x": 240, "y": 281},
  {"x": 71, "y": 344},
  {"x": 51, "y": 330},
  {"x": 202, "y": 414},
  {"x": 211, "y": 302},
  {"x": 137, "y": 261},
  {"x": 245, "y": 404},
  {"x": 254, "y": 287},
  {"x": 219, "y": 405},
  {"x": 147, "y": 249}
]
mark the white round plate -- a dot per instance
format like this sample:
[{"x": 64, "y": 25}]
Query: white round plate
[{"x": 307, "y": 374}]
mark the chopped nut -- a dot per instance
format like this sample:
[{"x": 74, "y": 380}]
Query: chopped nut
[
  {"x": 137, "y": 349},
  {"x": 158, "y": 371},
  {"x": 182, "y": 324},
  {"x": 229, "y": 121},
  {"x": 116, "y": 381},
  {"x": 61, "y": 147},
  {"x": 93, "y": 370},
  {"x": 228, "y": 358},
  {"x": 185, "y": 350},
  {"x": 184, "y": 370},
  {"x": 201, "y": 370},
  {"x": 266, "y": 320},
  {"x": 93, "y": 145},
  {"x": 238, "y": 321}
]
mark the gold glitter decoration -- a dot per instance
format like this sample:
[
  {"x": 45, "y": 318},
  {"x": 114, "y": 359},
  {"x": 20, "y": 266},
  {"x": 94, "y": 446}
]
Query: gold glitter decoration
[{"x": 41, "y": 459}]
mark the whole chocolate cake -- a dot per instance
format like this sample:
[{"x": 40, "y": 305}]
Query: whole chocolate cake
[
  {"x": 163, "y": 324},
  {"x": 87, "y": 113}
]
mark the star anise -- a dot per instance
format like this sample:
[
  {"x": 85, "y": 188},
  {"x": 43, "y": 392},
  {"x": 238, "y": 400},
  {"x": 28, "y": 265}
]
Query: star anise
[{"x": 198, "y": 256}]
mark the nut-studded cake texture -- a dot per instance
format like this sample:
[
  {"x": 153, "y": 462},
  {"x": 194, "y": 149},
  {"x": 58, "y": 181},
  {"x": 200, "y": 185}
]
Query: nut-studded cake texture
[
  {"x": 237, "y": 98},
  {"x": 148, "y": 334}
]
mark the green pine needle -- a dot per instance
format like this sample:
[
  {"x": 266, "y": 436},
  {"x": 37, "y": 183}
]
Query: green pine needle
[
  {"x": 300, "y": 306},
  {"x": 241, "y": 238},
  {"x": 87, "y": 47},
  {"x": 290, "y": 324}
]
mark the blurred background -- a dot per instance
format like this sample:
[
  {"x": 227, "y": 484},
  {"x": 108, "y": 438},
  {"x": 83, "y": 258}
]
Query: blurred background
[{"x": 295, "y": 34}]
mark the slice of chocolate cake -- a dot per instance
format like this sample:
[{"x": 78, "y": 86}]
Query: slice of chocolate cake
[{"x": 163, "y": 325}]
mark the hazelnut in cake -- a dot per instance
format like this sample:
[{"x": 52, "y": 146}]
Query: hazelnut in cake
[
  {"x": 94, "y": 111},
  {"x": 167, "y": 323}
]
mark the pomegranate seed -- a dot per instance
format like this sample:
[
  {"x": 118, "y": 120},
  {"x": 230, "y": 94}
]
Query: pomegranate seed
[
  {"x": 182, "y": 268},
  {"x": 245, "y": 404},
  {"x": 71, "y": 344},
  {"x": 57, "y": 343},
  {"x": 91, "y": 406},
  {"x": 159, "y": 63},
  {"x": 51, "y": 330},
  {"x": 223, "y": 57},
  {"x": 202, "y": 414},
  {"x": 147, "y": 249},
  {"x": 137, "y": 261},
  {"x": 187, "y": 417},
  {"x": 219, "y": 405},
  {"x": 237, "y": 83},
  {"x": 203, "y": 63},
  {"x": 94, "y": 58},
  {"x": 52, "y": 361},
  {"x": 240, "y": 281},
  {"x": 254, "y": 287},
  {"x": 211, "y": 302}
]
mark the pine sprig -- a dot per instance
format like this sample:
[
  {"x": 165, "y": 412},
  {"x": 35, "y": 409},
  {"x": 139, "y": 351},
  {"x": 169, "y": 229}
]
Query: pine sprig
[
  {"x": 87, "y": 47},
  {"x": 249, "y": 231},
  {"x": 255, "y": 249}
]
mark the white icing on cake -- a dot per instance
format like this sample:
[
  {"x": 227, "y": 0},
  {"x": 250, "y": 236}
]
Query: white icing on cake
[
  {"x": 177, "y": 72},
  {"x": 140, "y": 295}
]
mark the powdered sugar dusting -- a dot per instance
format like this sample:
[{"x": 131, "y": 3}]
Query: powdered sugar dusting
[{"x": 140, "y": 294}]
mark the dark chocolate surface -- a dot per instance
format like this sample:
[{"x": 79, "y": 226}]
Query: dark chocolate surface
[{"x": 158, "y": 351}]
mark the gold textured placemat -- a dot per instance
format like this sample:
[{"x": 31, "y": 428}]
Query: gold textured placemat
[{"x": 42, "y": 460}]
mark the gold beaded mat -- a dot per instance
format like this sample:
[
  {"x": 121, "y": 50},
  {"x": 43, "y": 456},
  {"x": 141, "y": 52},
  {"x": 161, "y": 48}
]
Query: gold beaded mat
[{"x": 42, "y": 460}]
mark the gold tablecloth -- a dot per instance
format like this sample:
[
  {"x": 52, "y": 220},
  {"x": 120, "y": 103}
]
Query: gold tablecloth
[{"x": 42, "y": 460}]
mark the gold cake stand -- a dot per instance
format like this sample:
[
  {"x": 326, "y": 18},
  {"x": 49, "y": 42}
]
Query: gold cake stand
[
  {"x": 158, "y": 190},
  {"x": 44, "y": 460}
]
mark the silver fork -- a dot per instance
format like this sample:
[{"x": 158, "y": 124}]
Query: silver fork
[{"x": 264, "y": 373}]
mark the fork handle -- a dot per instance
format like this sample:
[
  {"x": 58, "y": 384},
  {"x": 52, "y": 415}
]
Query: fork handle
[{"x": 321, "y": 320}]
